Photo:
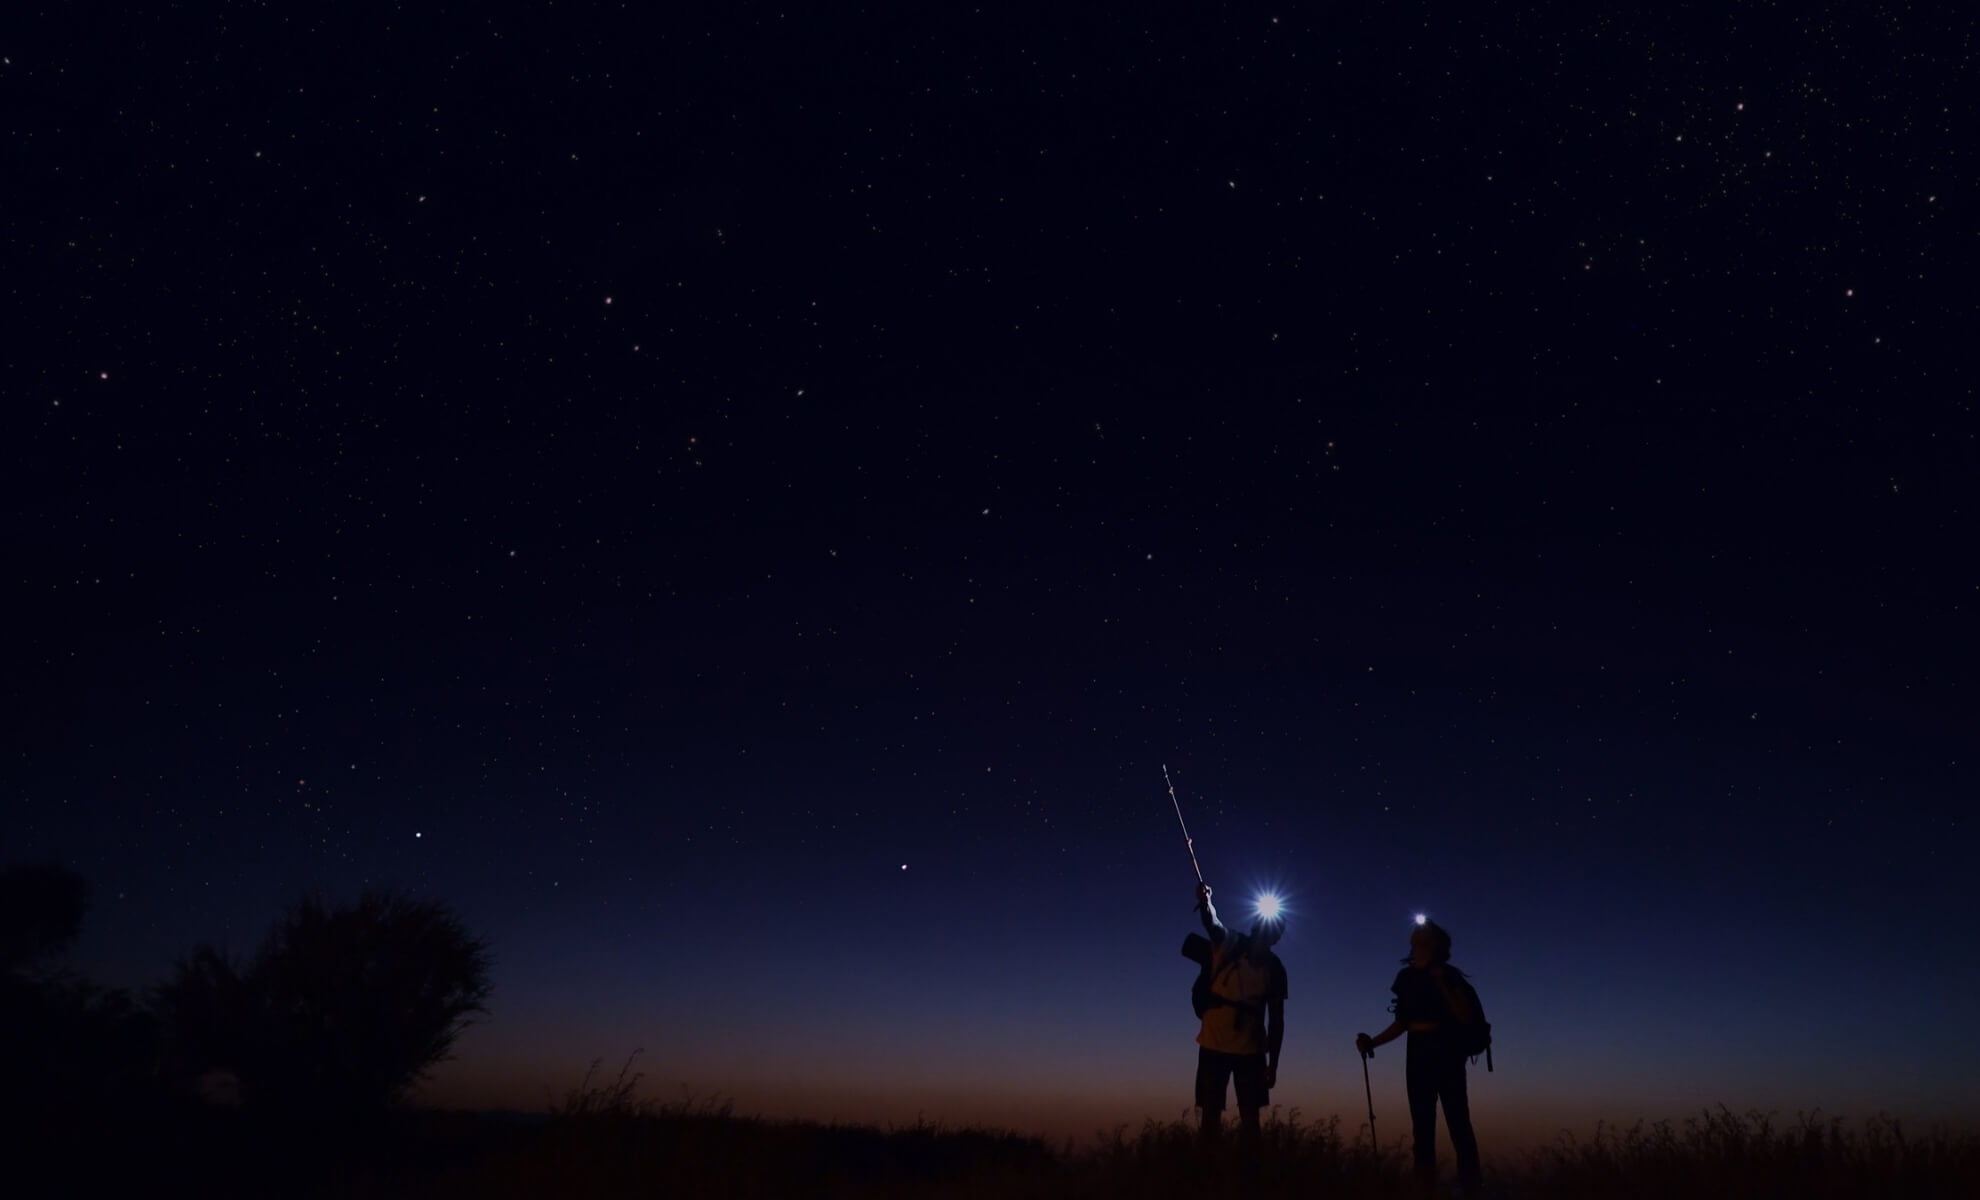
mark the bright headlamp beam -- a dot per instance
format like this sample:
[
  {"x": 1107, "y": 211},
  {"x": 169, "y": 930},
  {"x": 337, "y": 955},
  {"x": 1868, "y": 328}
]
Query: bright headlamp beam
[{"x": 1268, "y": 907}]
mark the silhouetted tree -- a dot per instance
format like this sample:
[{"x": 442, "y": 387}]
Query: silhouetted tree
[
  {"x": 340, "y": 1011},
  {"x": 41, "y": 910},
  {"x": 69, "y": 1046},
  {"x": 207, "y": 1016}
]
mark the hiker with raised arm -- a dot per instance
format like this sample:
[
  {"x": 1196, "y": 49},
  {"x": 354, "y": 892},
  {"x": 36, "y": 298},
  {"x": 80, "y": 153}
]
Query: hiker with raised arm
[
  {"x": 1242, "y": 1003},
  {"x": 1438, "y": 1008}
]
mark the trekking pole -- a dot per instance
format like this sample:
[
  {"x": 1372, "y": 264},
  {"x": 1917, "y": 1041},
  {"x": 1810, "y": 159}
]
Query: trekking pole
[
  {"x": 1370, "y": 1093},
  {"x": 1187, "y": 840}
]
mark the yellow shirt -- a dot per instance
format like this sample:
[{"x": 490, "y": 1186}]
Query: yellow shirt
[{"x": 1239, "y": 1027}]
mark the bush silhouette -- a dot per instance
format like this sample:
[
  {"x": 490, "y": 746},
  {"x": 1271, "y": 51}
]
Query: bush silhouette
[
  {"x": 339, "y": 1011},
  {"x": 70, "y": 1046}
]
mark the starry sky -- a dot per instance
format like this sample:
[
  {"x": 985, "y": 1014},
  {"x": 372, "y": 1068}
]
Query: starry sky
[{"x": 744, "y": 504}]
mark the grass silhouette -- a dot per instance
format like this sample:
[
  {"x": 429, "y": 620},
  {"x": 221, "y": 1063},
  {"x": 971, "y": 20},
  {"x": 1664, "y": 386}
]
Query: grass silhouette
[{"x": 603, "y": 1140}]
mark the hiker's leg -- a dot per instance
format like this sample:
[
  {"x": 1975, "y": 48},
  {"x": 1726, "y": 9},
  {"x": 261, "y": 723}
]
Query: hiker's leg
[
  {"x": 1457, "y": 1116},
  {"x": 1249, "y": 1134},
  {"x": 1248, "y": 1080},
  {"x": 1420, "y": 1077},
  {"x": 1249, "y": 1152},
  {"x": 1213, "y": 1073}
]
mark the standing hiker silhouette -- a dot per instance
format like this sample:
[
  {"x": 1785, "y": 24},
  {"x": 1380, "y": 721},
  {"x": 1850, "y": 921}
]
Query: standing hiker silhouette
[
  {"x": 1243, "y": 1025},
  {"x": 1432, "y": 1002}
]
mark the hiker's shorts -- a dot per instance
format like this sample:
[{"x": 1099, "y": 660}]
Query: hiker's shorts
[{"x": 1215, "y": 1069}]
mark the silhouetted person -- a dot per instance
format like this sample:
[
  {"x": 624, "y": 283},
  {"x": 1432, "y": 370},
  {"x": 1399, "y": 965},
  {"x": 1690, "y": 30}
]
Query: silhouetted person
[
  {"x": 1244, "y": 1025},
  {"x": 1429, "y": 1006}
]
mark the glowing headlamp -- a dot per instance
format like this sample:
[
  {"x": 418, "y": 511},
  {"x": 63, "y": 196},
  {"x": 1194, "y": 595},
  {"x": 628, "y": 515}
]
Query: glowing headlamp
[
  {"x": 1269, "y": 907},
  {"x": 1422, "y": 919}
]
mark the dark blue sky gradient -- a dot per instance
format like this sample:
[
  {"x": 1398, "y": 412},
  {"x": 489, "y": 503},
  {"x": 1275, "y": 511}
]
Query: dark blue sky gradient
[{"x": 645, "y": 481}]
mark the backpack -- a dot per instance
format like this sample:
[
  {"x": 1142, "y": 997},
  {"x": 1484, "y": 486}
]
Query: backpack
[
  {"x": 1476, "y": 1038},
  {"x": 1200, "y": 950}
]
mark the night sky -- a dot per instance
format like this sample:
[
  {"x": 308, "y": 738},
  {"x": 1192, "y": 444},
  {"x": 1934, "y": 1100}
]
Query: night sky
[{"x": 743, "y": 504}]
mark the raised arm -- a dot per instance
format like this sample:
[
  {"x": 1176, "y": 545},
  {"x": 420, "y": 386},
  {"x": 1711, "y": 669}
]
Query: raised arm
[{"x": 1208, "y": 911}]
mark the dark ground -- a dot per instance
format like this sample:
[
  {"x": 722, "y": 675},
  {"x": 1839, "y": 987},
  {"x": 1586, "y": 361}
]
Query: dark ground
[{"x": 706, "y": 1152}]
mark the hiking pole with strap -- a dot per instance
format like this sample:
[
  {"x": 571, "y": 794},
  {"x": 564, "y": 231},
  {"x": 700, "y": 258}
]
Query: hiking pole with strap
[
  {"x": 1188, "y": 842},
  {"x": 1368, "y": 1091}
]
